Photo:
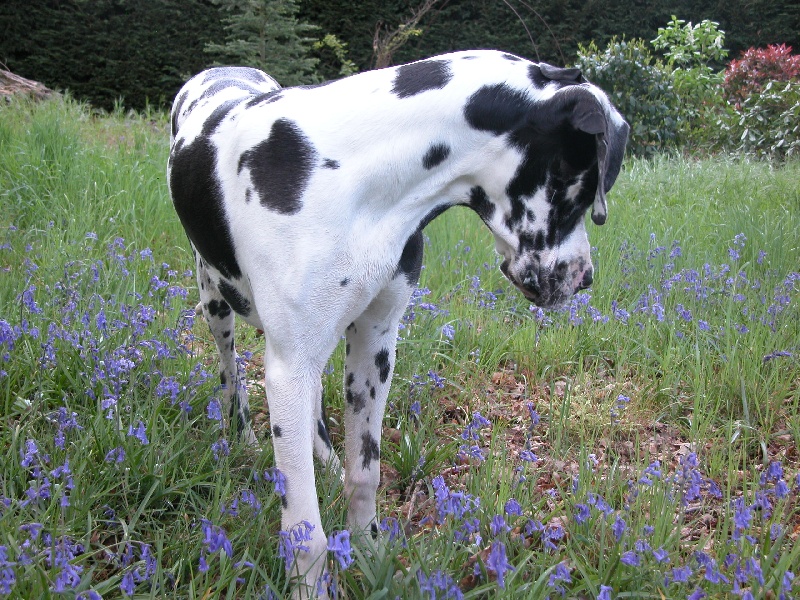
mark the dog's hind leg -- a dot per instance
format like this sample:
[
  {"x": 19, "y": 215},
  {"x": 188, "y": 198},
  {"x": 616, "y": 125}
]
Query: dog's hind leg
[
  {"x": 323, "y": 449},
  {"x": 371, "y": 343},
  {"x": 220, "y": 319}
]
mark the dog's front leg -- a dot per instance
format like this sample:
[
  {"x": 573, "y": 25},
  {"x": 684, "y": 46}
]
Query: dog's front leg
[
  {"x": 371, "y": 342},
  {"x": 291, "y": 395}
]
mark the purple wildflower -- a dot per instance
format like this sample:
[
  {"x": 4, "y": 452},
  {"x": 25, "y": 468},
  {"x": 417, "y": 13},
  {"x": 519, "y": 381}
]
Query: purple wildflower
[
  {"x": 681, "y": 574},
  {"x": 448, "y": 331},
  {"x": 560, "y": 574},
  {"x": 605, "y": 592},
  {"x": 498, "y": 525},
  {"x": 630, "y": 558},
  {"x": 115, "y": 455},
  {"x": 618, "y": 528},
  {"x": 339, "y": 544},
  {"x": 275, "y": 476},
  {"x": 498, "y": 563},
  {"x": 513, "y": 508},
  {"x": 127, "y": 585},
  {"x": 661, "y": 555},
  {"x": 582, "y": 513},
  {"x": 214, "y": 410},
  {"x": 438, "y": 582},
  {"x": 697, "y": 594},
  {"x": 139, "y": 433}
]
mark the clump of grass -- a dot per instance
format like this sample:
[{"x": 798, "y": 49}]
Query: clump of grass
[{"x": 642, "y": 439}]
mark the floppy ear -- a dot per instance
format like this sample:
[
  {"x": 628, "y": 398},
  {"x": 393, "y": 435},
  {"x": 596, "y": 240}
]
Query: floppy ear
[{"x": 592, "y": 114}]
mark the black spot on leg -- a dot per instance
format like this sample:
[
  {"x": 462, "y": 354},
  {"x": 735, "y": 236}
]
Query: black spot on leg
[
  {"x": 218, "y": 308},
  {"x": 226, "y": 333},
  {"x": 435, "y": 155},
  {"x": 322, "y": 432},
  {"x": 372, "y": 392},
  {"x": 347, "y": 349},
  {"x": 276, "y": 431},
  {"x": 422, "y": 76},
  {"x": 344, "y": 282},
  {"x": 356, "y": 399},
  {"x": 330, "y": 164},
  {"x": 373, "y": 528},
  {"x": 350, "y": 379},
  {"x": 284, "y": 502},
  {"x": 280, "y": 167},
  {"x": 235, "y": 299},
  {"x": 382, "y": 362},
  {"x": 369, "y": 450},
  {"x": 223, "y": 379}
]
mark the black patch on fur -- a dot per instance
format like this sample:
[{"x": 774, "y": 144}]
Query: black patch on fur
[
  {"x": 330, "y": 164},
  {"x": 197, "y": 196},
  {"x": 369, "y": 450},
  {"x": 276, "y": 431},
  {"x": 372, "y": 392},
  {"x": 237, "y": 302},
  {"x": 344, "y": 282},
  {"x": 218, "y": 308},
  {"x": 537, "y": 78},
  {"x": 351, "y": 377},
  {"x": 422, "y": 76},
  {"x": 480, "y": 203},
  {"x": 322, "y": 432},
  {"x": 511, "y": 57},
  {"x": 382, "y": 362},
  {"x": 410, "y": 263},
  {"x": 356, "y": 399},
  {"x": 284, "y": 502},
  {"x": 266, "y": 98},
  {"x": 223, "y": 379},
  {"x": 347, "y": 349},
  {"x": 176, "y": 110},
  {"x": 435, "y": 155},
  {"x": 373, "y": 528},
  {"x": 280, "y": 167},
  {"x": 497, "y": 108}
]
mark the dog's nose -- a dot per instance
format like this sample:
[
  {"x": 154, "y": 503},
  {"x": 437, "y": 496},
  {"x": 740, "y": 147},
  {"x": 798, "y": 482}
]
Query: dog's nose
[
  {"x": 587, "y": 279},
  {"x": 531, "y": 282}
]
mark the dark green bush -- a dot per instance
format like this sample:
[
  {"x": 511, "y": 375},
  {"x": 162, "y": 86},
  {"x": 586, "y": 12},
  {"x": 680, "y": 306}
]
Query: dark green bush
[{"x": 640, "y": 86}]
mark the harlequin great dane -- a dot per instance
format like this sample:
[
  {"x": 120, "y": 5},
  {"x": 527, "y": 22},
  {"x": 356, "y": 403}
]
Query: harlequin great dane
[{"x": 305, "y": 209}]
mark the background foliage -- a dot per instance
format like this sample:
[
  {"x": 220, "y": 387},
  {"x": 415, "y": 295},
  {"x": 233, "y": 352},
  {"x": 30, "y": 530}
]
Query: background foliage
[{"x": 142, "y": 50}]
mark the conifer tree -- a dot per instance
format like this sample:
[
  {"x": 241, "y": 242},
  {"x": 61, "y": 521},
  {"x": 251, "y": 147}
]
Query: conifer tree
[{"x": 266, "y": 34}]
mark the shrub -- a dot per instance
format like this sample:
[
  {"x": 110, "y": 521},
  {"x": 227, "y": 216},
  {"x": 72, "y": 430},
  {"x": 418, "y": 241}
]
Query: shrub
[
  {"x": 640, "y": 86},
  {"x": 756, "y": 68}
]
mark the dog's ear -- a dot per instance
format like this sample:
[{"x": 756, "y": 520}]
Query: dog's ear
[
  {"x": 588, "y": 110},
  {"x": 572, "y": 75}
]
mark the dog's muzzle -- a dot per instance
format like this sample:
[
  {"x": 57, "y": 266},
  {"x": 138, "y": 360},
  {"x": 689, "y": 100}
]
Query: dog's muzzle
[{"x": 550, "y": 288}]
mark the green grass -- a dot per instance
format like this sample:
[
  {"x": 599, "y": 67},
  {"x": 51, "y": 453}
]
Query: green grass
[{"x": 652, "y": 364}]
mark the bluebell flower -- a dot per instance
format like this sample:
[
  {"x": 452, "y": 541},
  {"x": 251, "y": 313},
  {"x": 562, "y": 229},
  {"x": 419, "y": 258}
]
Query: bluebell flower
[
  {"x": 535, "y": 418},
  {"x": 681, "y": 574},
  {"x": 618, "y": 528},
  {"x": 214, "y": 410},
  {"x": 115, "y": 455},
  {"x": 448, "y": 331},
  {"x": 498, "y": 562},
  {"x": 214, "y": 538},
  {"x": 438, "y": 382},
  {"x": 605, "y": 592},
  {"x": 630, "y": 558},
  {"x": 582, "y": 513},
  {"x": 498, "y": 525},
  {"x": 513, "y": 508},
  {"x": 128, "y": 585},
  {"x": 339, "y": 544},
  {"x": 438, "y": 581},
  {"x": 528, "y": 456},
  {"x": 561, "y": 574},
  {"x": 697, "y": 594},
  {"x": 661, "y": 555},
  {"x": 277, "y": 478},
  {"x": 139, "y": 433},
  {"x": 220, "y": 447}
]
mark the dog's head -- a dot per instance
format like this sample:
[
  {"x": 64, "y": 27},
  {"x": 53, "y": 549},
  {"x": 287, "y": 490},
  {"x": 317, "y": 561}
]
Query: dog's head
[{"x": 567, "y": 142}]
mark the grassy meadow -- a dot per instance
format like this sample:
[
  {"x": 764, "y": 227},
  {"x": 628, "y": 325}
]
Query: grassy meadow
[{"x": 641, "y": 442}]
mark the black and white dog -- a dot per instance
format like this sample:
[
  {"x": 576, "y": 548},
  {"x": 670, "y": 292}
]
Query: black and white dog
[{"x": 305, "y": 208}]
